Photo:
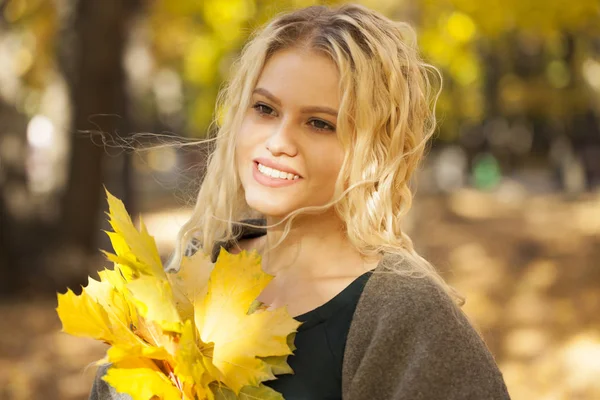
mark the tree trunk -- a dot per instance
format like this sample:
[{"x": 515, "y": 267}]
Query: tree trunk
[
  {"x": 19, "y": 230},
  {"x": 96, "y": 80}
]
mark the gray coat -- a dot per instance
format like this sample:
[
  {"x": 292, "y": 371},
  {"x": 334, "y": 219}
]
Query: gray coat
[{"x": 407, "y": 341}]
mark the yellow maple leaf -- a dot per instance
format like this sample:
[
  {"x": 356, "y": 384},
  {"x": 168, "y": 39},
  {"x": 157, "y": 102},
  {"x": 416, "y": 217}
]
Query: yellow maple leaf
[
  {"x": 246, "y": 393},
  {"x": 190, "y": 282},
  {"x": 190, "y": 363},
  {"x": 120, "y": 313},
  {"x": 119, "y": 353},
  {"x": 155, "y": 302},
  {"x": 114, "y": 296},
  {"x": 279, "y": 364},
  {"x": 240, "y": 339},
  {"x": 102, "y": 313},
  {"x": 82, "y": 316},
  {"x": 141, "y": 379},
  {"x": 198, "y": 334},
  {"x": 130, "y": 243}
]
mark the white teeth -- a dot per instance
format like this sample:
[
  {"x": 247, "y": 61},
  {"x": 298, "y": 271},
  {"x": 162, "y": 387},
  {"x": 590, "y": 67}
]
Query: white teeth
[{"x": 273, "y": 173}]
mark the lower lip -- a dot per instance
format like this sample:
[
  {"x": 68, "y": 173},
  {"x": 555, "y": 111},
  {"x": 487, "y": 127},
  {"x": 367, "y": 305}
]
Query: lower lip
[{"x": 271, "y": 182}]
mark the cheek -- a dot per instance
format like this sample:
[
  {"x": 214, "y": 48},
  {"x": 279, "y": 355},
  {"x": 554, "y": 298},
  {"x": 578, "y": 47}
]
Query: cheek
[
  {"x": 243, "y": 142},
  {"x": 248, "y": 145},
  {"x": 336, "y": 167},
  {"x": 329, "y": 162}
]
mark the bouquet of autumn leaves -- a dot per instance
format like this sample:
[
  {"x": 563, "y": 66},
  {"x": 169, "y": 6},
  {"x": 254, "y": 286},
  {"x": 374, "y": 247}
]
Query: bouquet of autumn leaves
[{"x": 198, "y": 334}]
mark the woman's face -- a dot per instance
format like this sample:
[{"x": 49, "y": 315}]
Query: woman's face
[{"x": 287, "y": 153}]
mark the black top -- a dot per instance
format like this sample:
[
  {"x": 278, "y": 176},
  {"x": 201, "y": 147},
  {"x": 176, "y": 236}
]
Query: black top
[{"x": 320, "y": 342}]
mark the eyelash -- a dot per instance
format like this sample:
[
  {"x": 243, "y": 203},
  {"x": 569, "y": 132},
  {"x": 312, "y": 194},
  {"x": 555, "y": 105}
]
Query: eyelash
[{"x": 257, "y": 107}]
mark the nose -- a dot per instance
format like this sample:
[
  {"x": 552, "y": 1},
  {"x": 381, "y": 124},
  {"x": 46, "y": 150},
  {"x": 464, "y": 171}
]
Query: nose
[{"x": 281, "y": 140}]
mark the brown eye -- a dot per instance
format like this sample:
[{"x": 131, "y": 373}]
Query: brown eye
[
  {"x": 322, "y": 125},
  {"x": 262, "y": 109}
]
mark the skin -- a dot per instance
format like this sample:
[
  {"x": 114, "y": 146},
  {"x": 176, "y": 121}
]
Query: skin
[{"x": 316, "y": 261}]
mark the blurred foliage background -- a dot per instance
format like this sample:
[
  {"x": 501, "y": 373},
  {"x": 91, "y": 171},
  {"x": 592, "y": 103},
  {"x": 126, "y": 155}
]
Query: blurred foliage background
[{"x": 508, "y": 205}]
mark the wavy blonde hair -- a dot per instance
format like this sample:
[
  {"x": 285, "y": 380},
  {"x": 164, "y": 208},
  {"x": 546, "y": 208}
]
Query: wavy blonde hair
[{"x": 386, "y": 118}]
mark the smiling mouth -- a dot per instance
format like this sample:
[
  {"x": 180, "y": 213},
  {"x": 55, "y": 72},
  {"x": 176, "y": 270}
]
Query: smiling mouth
[{"x": 276, "y": 174}]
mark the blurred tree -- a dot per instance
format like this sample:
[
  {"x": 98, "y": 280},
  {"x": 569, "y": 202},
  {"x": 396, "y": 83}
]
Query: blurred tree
[
  {"x": 13, "y": 185},
  {"x": 509, "y": 62},
  {"x": 90, "y": 52},
  {"x": 26, "y": 34},
  {"x": 92, "y": 60}
]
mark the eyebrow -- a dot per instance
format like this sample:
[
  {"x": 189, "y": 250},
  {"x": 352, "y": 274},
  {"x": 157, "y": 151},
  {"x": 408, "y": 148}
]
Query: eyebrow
[{"x": 309, "y": 109}]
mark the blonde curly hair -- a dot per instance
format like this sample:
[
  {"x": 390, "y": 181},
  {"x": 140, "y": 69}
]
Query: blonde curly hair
[{"x": 386, "y": 118}]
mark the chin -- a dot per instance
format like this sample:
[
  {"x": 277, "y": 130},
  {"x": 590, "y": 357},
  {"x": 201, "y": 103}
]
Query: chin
[{"x": 271, "y": 206}]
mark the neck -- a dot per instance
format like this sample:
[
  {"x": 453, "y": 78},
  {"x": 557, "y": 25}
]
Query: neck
[{"x": 316, "y": 247}]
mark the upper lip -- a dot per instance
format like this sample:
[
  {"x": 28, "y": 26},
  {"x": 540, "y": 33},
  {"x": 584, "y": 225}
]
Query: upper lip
[{"x": 272, "y": 164}]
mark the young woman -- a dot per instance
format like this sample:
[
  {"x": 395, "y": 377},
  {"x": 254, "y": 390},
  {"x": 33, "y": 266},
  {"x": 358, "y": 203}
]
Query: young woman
[{"x": 325, "y": 119}]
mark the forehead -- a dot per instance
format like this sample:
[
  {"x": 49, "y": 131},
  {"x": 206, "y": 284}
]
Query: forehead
[{"x": 301, "y": 77}]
